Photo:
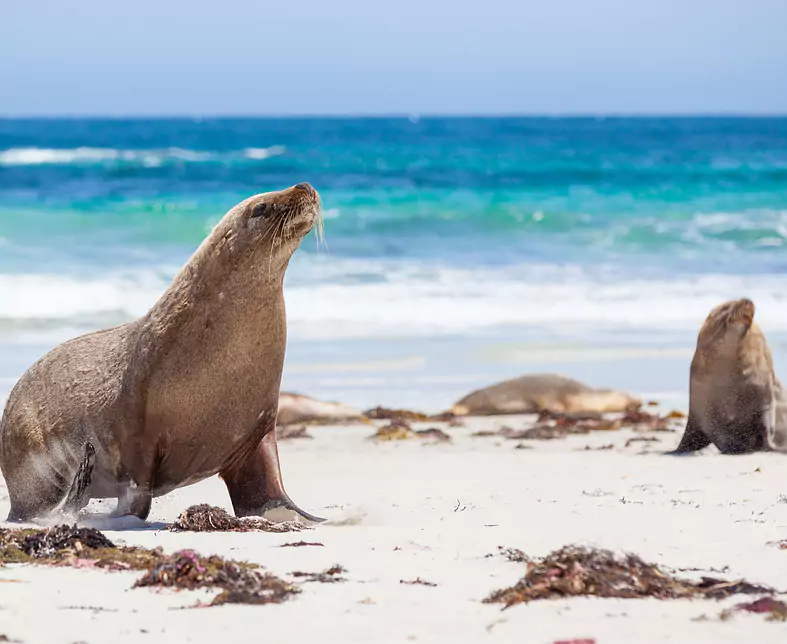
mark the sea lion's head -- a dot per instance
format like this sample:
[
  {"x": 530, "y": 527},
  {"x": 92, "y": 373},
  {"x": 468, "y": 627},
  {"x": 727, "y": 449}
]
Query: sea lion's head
[
  {"x": 727, "y": 323},
  {"x": 262, "y": 232},
  {"x": 283, "y": 216}
]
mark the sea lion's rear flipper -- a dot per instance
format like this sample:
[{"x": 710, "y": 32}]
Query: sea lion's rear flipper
[
  {"x": 78, "y": 494},
  {"x": 694, "y": 439},
  {"x": 256, "y": 488}
]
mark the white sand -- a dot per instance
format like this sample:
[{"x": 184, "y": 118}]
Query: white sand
[{"x": 407, "y": 509}]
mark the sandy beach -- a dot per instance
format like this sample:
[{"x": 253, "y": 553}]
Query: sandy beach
[{"x": 411, "y": 510}]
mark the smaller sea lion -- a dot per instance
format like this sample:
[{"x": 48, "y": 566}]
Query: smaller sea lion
[
  {"x": 542, "y": 392},
  {"x": 296, "y": 408},
  {"x": 732, "y": 387}
]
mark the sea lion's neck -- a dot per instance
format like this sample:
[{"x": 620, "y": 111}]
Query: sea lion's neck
[{"x": 230, "y": 286}]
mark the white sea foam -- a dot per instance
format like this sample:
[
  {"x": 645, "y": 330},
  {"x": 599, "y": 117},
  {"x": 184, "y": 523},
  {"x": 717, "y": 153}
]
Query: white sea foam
[
  {"x": 148, "y": 158},
  {"x": 371, "y": 300},
  {"x": 264, "y": 153}
]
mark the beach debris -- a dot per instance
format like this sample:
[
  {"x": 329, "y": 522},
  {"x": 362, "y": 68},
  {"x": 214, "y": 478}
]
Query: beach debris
[
  {"x": 781, "y": 545},
  {"x": 329, "y": 576},
  {"x": 599, "y": 448},
  {"x": 552, "y": 426},
  {"x": 641, "y": 439},
  {"x": 240, "y": 583},
  {"x": 296, "y": 409},
  {"x": 383, "y": 413},
  {"x": 775, "y": 610},
  {"x": 514, "y": 555},
  {"x": 49, "y": 542},
  {"x": 401, "y": 430},
  {"x": 576, "y": 571},
  {"x": 287, "y": 433},
  {"x": 434, "y": 433},
  {"x": 65, "y": 545},
  {"x": 418, "y": 582},
  {"x": 209, "y": 518},
  {"x": 300, "y": 544},
  {"x": 396, "y": 430}
]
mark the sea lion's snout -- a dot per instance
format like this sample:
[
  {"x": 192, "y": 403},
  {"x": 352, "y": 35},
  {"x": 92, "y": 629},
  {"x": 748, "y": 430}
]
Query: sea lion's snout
[
  {"x": 307, "y": 188},
  {"x": 743, "y": 312}
]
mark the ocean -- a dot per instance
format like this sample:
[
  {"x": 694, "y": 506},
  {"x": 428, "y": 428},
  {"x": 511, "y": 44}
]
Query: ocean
[{"x": 459, "y": 250}]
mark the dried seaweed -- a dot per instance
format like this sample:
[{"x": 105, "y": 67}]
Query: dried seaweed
[
  {"x": 775, "y": 610},
  {"x": 400, "y": 430},
  {"x": 241, "y": 583},
  {"x": 434, "y": 433},
  {"x": 552, "y": 425},
  {"x": 383, "y": 413},
  {"x": 418, "y": 582},
  {"x": 65, "y": 545},
  {"x": 330, "y": 576},
  {"x": 397, "y": 430},
  {"x": 208, "y": 518},
  {"x": 515, "y": 555},
  {"x": 574, "y": 571},
  {"x": 300, "y": 544}
]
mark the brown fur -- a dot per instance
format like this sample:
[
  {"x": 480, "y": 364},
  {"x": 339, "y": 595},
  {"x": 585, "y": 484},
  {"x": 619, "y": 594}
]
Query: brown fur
[
  {"x": 732, "y": 387},
  {"x": 187, "y": 391}
]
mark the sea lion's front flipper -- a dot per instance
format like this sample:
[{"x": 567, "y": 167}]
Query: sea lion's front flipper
[
  {"x": 256, "y": 488},
  {"x": 694, "y": 439},
  {"x": 79, "y": 493}
]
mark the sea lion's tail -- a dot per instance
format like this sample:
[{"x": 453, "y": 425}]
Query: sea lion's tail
[{"x": 78, "y": 494}]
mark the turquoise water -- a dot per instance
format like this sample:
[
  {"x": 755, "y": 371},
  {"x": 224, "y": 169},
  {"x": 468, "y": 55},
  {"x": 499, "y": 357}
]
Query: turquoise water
[{"x": 495, "y": 230}]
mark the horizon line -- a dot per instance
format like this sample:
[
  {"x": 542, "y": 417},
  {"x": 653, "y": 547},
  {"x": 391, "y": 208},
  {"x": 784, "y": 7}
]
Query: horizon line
[{"x": 396, "y": 115}]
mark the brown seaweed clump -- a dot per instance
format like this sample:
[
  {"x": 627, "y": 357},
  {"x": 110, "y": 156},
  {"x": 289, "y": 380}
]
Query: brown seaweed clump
[
  {"x": 65, "y": 545},
  {"x": 434, "y": 433},
  {"x": 383, "y": 413},
  {"x": 398, "y": 430},
  {"x": 552, "y": 425},
  {"x": 241, "y": 583},
  {"x": 774, "y": 609},
  {"x": 209, "y": 518},
  {"x": 330, "y": 576},
  {"x": 574, "y": 571}
]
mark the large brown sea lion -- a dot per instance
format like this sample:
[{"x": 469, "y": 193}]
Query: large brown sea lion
[
  {"x": 732, "y": 387},
  {"x": 187, "y": 391},
  {"x": 542, "y": 392}
]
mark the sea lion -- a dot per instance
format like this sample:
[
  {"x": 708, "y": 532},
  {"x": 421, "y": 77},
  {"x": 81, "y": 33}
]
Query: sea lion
[
  {"x": 187, "y": 391},
  {"x": 296, "y": 408},
  {"x": 732, "y": 386},
  {"x": 542, "y": 392}
]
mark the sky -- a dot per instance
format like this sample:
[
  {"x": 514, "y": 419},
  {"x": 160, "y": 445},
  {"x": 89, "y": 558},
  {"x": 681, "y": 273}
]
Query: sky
[{"x": 322, "y": 57}]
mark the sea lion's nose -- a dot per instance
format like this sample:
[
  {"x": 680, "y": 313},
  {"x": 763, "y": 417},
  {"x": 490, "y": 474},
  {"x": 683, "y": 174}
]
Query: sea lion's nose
[{"x": 305, "y": 187}]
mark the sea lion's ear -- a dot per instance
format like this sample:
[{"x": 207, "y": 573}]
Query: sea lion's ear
[{"x": 260, "y": 210}]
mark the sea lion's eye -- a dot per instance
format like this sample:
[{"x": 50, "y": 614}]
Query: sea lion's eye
[{"x": 261, "y": 210}]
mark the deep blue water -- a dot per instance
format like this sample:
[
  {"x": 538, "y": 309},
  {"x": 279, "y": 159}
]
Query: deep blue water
[{"x": 96, "y": 215}]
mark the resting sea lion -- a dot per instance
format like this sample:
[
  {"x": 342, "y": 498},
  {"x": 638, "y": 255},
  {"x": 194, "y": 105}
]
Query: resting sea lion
[
  {"x": 542, "y": 392},
  {"x": 732, "y": 387},
  {"x": 187, "y": 391},
  {"x": 295, "y": 408}
]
